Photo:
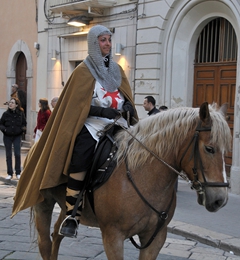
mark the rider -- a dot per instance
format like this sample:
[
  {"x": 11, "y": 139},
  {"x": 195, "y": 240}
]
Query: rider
[
  {"x": 97, "y": 86},
  {"x": 111, "y": 93}
]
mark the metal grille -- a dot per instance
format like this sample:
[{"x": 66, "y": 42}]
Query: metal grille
[{"x": 217, "y": 43}]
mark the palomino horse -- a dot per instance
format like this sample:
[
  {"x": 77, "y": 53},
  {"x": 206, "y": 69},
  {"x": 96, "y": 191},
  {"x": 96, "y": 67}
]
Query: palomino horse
[{"x": 139, "y": 197}]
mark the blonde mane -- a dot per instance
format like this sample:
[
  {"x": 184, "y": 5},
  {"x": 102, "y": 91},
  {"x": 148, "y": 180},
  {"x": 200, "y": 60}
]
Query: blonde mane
[{"x": 166, "y": 131}]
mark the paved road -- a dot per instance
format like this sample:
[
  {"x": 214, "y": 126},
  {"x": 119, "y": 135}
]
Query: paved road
[
  {"x": 17, "y": 240},
  {"x": 225, "y": 221}
]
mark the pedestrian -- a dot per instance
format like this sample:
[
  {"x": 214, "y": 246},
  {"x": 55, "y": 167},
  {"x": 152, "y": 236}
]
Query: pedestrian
[
  {"x": 42, "y": 118},
  {"x": 149, "y": 105},
  {"x": 21, "y": 95},
  {"x": 54, "y": 102},
  {"x": 13, "y": 124}
]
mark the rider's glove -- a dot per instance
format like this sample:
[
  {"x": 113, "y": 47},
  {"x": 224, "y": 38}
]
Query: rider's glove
[
  {"x": 128, "y": 107},
  {"x": 108, "y": 112}
]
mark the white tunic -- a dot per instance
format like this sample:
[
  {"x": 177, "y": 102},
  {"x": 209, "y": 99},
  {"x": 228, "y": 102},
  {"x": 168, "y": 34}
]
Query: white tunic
[{"x": 102, "y": 98}]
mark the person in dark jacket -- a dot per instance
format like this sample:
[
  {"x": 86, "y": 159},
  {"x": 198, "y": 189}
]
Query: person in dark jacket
[
  {"x": 149, "y": 105},
  {"x": 13, "y": 124}
]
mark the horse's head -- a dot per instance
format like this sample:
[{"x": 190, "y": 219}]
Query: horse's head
[
  {"x": 189, "y": 139},
  {"x": 203, "y": 157}
]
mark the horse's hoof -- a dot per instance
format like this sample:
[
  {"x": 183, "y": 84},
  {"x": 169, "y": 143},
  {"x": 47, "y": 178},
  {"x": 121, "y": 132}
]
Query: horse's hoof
[{"x": 69, "y": 227}]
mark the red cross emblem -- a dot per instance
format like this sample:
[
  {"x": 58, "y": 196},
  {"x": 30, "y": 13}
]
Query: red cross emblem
[{"x": 115, "y": 96}]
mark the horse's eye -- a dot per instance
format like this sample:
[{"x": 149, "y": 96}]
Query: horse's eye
[{"x": 210, "y": 149}]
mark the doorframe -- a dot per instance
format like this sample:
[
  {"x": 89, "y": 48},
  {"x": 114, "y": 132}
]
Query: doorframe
[
  {"x": 21, "y": 46},
  {"x": 179, "y": 37}
]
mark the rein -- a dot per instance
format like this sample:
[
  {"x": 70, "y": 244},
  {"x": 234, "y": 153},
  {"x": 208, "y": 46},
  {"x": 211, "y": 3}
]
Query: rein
[
  {"x": 162, "y": 216},
  {"x": 195, "y": 184},
  {"x": 182, "y": 175}
]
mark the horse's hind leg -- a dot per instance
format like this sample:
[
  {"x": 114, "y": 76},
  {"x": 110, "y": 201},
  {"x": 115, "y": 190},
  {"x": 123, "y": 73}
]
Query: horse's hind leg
[
  {"x": 56, "y": 238},
  {"x": 42, "y": 217}
]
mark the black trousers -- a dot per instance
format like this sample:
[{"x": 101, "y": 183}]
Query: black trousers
[
  {"x": 83, "y": 152},
  {"x": 14, "y": 141}
]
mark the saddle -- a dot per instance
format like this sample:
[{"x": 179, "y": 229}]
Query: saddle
[{"x": 103, "y": 163}]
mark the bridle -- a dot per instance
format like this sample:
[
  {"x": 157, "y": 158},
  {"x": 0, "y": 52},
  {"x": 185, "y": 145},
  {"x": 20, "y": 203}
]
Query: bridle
[{"x": 196, "y": 184}]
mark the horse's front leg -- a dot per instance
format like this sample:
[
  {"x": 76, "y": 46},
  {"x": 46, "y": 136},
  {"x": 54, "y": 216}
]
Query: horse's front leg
[
  {"x": 113, "y": 243},
  {"x": 152, "y": 251},
  {"x": 42, "y": 218}
]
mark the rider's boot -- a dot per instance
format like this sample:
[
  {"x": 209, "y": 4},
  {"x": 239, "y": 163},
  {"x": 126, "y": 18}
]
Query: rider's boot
[{"x": 75, "y": 185}]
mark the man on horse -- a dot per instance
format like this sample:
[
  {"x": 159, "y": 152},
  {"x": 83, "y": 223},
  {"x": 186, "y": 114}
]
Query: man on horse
[
  {"x": 96, "y": 93},
  {"x": 107, "y": 101}
]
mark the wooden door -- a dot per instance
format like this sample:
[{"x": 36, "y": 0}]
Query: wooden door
[
  {"x": 21, "y": 70},
  {"x": 21, "y": 79},
  {"x": 216, "y": 83}
]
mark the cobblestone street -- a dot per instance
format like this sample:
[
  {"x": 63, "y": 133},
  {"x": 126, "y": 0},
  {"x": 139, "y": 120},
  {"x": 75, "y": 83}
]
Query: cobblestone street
[{"x": 18, "y": 241}]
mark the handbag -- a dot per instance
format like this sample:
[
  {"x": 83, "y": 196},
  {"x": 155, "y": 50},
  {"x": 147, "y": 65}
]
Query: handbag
[{"x": 37, "y": 135}]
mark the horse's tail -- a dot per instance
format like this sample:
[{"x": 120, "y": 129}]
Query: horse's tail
[{"x": 32, "y": 227}]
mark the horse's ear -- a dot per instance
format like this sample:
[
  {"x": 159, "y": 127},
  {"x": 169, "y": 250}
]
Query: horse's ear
[
  {"x": 204, "y": 113},
  {"x": 223, "y": 109}
]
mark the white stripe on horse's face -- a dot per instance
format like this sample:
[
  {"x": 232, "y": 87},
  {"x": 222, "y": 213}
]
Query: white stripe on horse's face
[{"x": 224, "y": 170}]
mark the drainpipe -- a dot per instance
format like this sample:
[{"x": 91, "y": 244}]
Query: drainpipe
[
  {"x": 138, "y": 16},
  {"x": 134, "y": 83}
]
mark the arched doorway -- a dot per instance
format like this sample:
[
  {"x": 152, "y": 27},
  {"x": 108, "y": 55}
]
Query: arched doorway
[
  {"x": 20, "y": 53},
  {"x": 215, "y": 69}
]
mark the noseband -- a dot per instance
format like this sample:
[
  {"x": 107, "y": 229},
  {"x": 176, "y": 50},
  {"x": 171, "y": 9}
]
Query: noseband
[{"x": 196, "y": 184}]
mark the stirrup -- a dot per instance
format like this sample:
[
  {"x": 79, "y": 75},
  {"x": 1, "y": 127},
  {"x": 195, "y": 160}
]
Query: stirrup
[{"x": 64, "y": 221}]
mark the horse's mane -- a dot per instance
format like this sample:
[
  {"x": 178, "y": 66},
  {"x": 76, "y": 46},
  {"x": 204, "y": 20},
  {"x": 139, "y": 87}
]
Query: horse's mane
[{"x": 166, "y": 131}]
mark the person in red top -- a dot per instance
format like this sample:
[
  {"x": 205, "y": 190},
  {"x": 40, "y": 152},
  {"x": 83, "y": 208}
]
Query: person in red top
[{"x": 43, "y": 116}]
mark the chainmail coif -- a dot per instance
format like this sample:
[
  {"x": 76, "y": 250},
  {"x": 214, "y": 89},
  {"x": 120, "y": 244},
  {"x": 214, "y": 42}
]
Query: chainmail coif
[{"x": 109, "y": 77}]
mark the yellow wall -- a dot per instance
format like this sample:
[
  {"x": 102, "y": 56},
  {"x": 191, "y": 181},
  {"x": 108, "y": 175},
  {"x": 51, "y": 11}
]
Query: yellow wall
[{"x": 18, "y": 22}]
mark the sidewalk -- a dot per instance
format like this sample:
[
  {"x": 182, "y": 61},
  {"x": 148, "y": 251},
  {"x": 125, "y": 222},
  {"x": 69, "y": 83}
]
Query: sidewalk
[{"x": 220, "y": 230}]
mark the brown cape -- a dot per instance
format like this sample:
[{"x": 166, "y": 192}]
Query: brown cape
[{"x": 47, "y": 163}]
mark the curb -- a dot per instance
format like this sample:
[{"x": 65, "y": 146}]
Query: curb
[
  {"x": 204, "y": 236},
  {"x": 9, "y": 182}
]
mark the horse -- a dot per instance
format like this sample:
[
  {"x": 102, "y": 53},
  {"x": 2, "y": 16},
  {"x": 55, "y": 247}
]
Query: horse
[{"x": 139, "y": 197}]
